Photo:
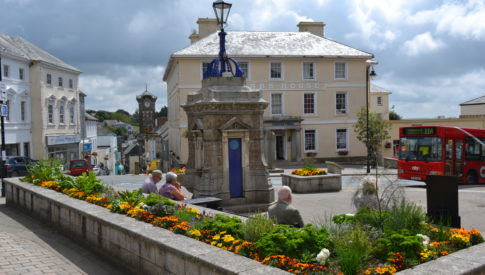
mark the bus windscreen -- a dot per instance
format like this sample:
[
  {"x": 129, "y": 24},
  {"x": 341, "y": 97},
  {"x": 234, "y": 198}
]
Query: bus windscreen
[{"x": 420, "y": 148}]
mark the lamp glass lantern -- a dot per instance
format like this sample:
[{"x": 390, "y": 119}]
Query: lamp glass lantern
[{"x": 221, "y": 9}]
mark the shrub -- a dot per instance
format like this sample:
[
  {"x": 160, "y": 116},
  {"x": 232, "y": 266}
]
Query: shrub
[
  {"x": 45, "y": 170},
  {"x": 293, "y": 242},
  {"x": 405, "y": 214},
  {"x": 353, "y": 250},
  {"x": 161, "y": 209},
  {"x": 154, "y": 199},
  {"x": 367, "y": 216},
  {"x": 89, "y": 184},
  {"x": 257, "y": 226},
  {"x": 220, "y": 223},
  {"x": 402, "y": 242}
]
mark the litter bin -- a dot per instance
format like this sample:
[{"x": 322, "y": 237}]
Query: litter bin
[{"x": 442, "y": 200}]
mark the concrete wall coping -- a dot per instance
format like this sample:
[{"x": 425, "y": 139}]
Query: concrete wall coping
[
  {"x": 219, "y": 260},
  {"x": 329, "y": 175}
]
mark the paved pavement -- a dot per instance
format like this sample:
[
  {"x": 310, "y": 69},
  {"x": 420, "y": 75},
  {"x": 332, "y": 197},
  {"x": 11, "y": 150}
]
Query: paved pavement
[{"x": 30, "y": 247}]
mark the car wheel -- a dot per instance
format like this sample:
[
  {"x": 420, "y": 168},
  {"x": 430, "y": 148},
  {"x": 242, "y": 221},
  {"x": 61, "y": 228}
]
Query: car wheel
[{"x": 471, "y": 178}]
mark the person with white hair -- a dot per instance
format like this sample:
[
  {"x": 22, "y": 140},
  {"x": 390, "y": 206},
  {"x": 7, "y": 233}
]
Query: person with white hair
[
  {"x": 172, "y": 189},
  {"x": 282, "y": 211},
  {"x": 150, "y": 184}
]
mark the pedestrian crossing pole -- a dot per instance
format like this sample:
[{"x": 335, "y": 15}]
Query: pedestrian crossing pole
[{"x": 3, "y": 157}]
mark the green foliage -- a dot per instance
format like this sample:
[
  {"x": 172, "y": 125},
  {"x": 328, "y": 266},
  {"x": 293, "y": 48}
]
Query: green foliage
[
  {"x": 257, "y": 226},
  {"x": 405, "y": 214},
  {"x": 45, "y": 170},
  {"x": 343, "y": 218},
  {"x": 367, "y": 216},
  {"x": 161, "y": 209},
  {"x": 89, "y": 184},
  {"x": 394, "y": 116},
  {"x": 220, "y": 223},
  {"x": 153, "y": 199},
  {"x": 403, "y": 242},
  {"x": 378, "y": 129},
  {"x": 294, "y": 242},
  {"x": 133, "y": 198},
  {"x": 308, "y": 164},
  {"x": 353, "y": 250},
  {"x": 163, "y": 112}
]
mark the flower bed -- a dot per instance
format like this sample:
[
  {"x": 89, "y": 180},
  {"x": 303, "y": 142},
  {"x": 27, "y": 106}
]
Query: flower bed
[
  {"x": 308, "y": 172},
  {"x": 369, "y": 242}
]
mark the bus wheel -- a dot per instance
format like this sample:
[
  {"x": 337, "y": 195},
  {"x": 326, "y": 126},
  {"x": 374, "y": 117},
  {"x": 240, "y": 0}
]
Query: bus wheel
[{"x": 471, "y": 178}]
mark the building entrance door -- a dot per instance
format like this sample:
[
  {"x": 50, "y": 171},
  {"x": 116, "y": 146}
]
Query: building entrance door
[
  {"x": 235, "y": 168},
  {"x": 280, "y": 147}
]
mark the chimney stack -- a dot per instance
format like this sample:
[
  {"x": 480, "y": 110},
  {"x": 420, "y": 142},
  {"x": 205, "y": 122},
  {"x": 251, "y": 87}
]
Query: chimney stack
[
  {"x": 315, "y": 28},
  {"x": 207, "y": 26}
]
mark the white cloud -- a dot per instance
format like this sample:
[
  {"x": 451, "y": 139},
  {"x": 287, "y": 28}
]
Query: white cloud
[
  {"x": 147, "y": 22},
  {"x": 456, "y": 18},
  {"x": 117, "y": 87},
  {"x": 421, "y": 43}
]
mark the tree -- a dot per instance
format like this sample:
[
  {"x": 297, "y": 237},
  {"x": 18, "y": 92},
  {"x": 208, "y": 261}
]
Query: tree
[
  {"x": 378, "y": 131},
  {"x": 135, "y": 118},
  {"x": 393, "y": 115},
  {"x": 163, "y": 112}
]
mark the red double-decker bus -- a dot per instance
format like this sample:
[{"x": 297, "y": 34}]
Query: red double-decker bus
[{"x": 440, "y": 150}]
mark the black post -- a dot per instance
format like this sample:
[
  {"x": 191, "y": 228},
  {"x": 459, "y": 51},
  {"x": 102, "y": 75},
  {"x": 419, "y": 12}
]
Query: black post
[
  {"x": 2, "y": 151},
  {"x": 367, "y": 117}
]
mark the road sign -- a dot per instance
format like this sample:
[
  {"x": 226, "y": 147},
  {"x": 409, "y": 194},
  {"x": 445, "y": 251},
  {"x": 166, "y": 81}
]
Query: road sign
[
  {"x": 4, "y": 110},
  {"x": 3, "y": 92}
]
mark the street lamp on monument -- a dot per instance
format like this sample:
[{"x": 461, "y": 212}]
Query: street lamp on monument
[
  {"x": 370, "y": 73},
  {"x": 221, "y": 66}
]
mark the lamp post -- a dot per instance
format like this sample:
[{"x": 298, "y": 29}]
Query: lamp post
[
  {"x": 221, "y": 66},
  {"x": 2, "y": 125},
  {"x": 368, "y": 75}
]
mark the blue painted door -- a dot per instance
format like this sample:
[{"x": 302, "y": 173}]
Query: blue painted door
[{"x": 235, "y": 168}]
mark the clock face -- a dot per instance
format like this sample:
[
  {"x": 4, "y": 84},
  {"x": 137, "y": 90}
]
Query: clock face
[{"x": 147, "y": 103}]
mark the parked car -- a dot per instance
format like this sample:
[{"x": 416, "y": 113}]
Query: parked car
[
  {"x": 79, "y": 166},
  {"x": 16, "y": 166}
]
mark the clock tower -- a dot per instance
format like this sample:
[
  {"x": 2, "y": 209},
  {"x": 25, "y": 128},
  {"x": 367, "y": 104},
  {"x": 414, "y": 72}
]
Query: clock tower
[{"x": 146, "y": 112}]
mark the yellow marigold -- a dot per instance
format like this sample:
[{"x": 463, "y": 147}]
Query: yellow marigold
[
  {"x": 195, "y": 232},
  {"x": 219, "y": 244},
  {"x": 213, "y": 243},
  {"x": 125, "y": 205},
  {"x": 228, "y": 238},
  {"x": 216, "y": 237}
]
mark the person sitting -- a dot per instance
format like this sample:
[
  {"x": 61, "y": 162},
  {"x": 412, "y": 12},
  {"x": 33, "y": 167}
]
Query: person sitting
[
  {"x": 150, "y": 185},
  {"x": 172, "y": 189},
  {"x": 282, "y": 211}
]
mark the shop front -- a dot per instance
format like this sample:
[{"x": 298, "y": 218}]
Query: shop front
[{"x": 63, "y": 147}]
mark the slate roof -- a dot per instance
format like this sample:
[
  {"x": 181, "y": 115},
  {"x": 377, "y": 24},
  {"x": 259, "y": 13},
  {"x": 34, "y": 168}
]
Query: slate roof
[
  {"x": 476, "y": 101},
  {"x": 90, "y": 117},
  {"x": 20, "y": 47},
  {"x": 245, "y": 43}
]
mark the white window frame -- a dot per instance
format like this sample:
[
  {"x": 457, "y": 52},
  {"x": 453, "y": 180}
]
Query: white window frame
[
  {"x": 315, "y": 142},
  {"x": 50, "y": 112},
  {"x": 282, "y": 104},
  {"x": 281, "y": 72},
  {"x": 248, "y": 76},
  {"x": 71, "y": 83},
  {"x": 62, "y": 112},
  {"x": 60, "y": 81},
  {"x": 303, "y": 70},
  {"x": 72, "y": 113},
  {"x": 22, "y": 110},
  {"x": 346, "y": 139},
  {"x": 6, "y": 70},
  {"x": 48, "y": 79},
  {"x": 314, "y": 104},
  {"x": 335, "y": 70},
  {"x": 379, "y": 101},
  {"x": 346, "y": 111}
]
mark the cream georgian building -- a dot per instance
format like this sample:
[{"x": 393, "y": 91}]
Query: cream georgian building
[
  {"x": 54, "y": 97},
  {"x": 315, "y": 87}
]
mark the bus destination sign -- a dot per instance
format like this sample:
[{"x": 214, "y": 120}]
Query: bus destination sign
[{"x": 419, "y": 131}]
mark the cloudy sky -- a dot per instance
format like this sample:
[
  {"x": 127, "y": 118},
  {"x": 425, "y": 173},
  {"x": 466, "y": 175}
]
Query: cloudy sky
[{"x": 430, "y": 53}]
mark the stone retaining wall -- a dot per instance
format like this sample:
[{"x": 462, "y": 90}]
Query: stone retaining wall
[
  {"x": 313, "y": 184},
  {"x": 138, "y": 246}
]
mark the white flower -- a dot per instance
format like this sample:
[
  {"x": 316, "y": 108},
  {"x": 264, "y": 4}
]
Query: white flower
[
  {"x": 349, "y": 215},
  {"x": 425, "y": 239},
  {"x": 142, "y": 205},
  {"x": 323, "y": 256}
]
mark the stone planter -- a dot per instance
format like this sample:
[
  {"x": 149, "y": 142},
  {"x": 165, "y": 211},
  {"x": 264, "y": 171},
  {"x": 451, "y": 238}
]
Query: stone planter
[
  {"x": 313, "y": 184},
  {"x": 139, "y": 247}
]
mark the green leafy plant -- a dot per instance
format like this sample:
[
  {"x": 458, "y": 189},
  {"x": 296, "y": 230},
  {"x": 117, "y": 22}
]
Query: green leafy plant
[
  {"x": 402, "y": 242},
  {"x": 353, "y": 250},
  {"x": 154, "y": 199},
  {"x": 257, "y": 226},
  {"x": 367, "y": 216},
  {"x": 161, "y": 209},
  {"x": 133, "y": 198},
  {"x": 293, "y": 242},
  {"x": 89, "y": 184},
  {"x": 220, "y": 223},
  {"x": 45, "y": 170},
  {"x": 343, "y": 218}
]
